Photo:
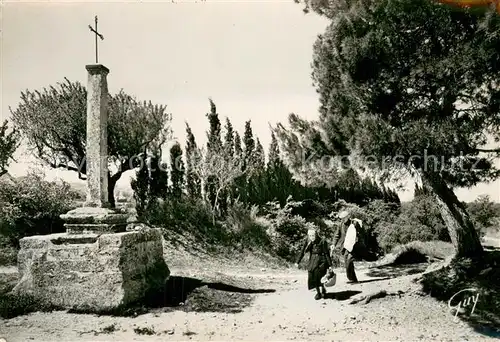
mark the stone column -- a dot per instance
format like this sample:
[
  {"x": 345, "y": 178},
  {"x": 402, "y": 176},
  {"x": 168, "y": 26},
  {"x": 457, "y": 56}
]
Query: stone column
[
  {"x": 96, "y": 216},
  {"x": 97, "y": 136}
]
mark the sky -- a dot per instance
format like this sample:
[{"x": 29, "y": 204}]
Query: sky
[{"x": 251, "y": 57}]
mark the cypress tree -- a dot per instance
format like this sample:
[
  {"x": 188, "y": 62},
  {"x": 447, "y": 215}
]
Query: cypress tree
[
  {"x": 229, "y": 139},
  {"x": 214, "y": 149},
  {"x": 193, "y": 182},
  {"x": 176, "y": 171}
]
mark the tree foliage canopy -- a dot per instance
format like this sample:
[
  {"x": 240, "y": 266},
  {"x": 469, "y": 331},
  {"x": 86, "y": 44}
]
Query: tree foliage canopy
[
  {"x": 407, "y": 78},
  {"x": 53, "y": 121},
  {"x": 9, "y": 141}
]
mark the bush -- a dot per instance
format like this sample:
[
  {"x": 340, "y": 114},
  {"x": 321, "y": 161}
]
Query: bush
[
  {"x": 287, "y": 233},
  {"x": 432, "y": 249},
  {"x": 402, "y": 232},
  {"x": 244, "y": 228},
  {"x": 186, "y": 215},
  {"x": 32, "y": 206},
  {"x": 307, "y": 208},
  {"x": 418, "y": 220},
  {"x": 484, "y": 214}
]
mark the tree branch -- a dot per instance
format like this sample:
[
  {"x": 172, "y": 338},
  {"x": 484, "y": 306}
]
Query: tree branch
[{"x": 65, "y": 166}]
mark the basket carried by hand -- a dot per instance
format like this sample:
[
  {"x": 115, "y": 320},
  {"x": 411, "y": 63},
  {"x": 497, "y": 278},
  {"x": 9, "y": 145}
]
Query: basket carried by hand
[{"x": 329, "y": 279}]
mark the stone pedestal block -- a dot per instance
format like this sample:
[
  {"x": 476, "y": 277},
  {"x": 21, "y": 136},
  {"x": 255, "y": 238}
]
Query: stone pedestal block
[
  {"x": 95, "y": 220},
  {"x": 92, "y": 272}
]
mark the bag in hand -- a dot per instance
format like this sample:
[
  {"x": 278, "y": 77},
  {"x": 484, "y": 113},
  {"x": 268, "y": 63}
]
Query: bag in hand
[{"x": 329, "y": 279}]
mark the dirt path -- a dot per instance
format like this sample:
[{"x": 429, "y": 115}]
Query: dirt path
[{"x": 289, "y": 313}]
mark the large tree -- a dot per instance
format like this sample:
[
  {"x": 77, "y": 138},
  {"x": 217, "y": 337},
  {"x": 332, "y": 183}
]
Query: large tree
[
  {"x": 9, "y": 141},
  {"x": 407, "y": 87},
  {"x": 53, "y": 121}
]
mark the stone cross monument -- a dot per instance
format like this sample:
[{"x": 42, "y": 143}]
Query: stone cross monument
[
  {"x": 97, "y": 136},
  {"x": 97, "y": 265},
  {"x": 96, "y": 215}
]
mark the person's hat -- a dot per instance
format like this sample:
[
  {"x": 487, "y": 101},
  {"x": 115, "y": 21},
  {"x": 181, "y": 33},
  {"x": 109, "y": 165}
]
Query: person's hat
[{"x": 343, "y": 214}]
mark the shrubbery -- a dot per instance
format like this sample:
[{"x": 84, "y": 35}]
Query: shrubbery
[
  {"x": 485, "y": 215},
  {"x": 244, "y": 227},
  {"x": 31, "y": 205},
  {"x": 418, "y": 220},
  {"x": 386, "y": 225},
  {"x": 191, "y": 216},
  {"x": 239, "y": 228},
  {"x": 287, "y": 233}
]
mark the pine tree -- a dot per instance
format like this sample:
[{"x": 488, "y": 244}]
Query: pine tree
[
  {"x": 193, "y": 182},
  {"x": 176, "y": 171},
  {"x": 372, "y": 98}
]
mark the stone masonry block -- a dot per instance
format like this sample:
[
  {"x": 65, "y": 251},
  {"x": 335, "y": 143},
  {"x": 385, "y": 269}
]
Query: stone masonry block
[{"x": 92, "y": 272}]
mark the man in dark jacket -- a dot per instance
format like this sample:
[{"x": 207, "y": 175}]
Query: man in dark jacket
[{"x": 338, "y": 244}]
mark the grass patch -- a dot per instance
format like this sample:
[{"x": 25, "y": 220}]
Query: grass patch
[
  {"x": 417, "y": 252},
  {"x": 13, "y": 305},
  {"x": 410, "y": 255},
  {"x": 432, "y": 249}
]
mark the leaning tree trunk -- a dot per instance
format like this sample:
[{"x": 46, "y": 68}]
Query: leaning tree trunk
[{"x": 462, "y": 233}]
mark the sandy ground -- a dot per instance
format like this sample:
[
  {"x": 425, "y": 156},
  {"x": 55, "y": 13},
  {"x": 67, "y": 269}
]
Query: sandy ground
[{"x": 289, "y": 313}]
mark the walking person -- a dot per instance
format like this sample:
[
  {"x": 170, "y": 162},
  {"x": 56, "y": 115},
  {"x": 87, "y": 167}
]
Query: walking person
[
  {"x": 319, "y": 262},
  {"x": 339, "y": 243}
]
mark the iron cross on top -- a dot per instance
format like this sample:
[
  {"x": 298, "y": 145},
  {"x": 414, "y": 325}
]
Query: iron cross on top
[{"x": 97, "y": 34}]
